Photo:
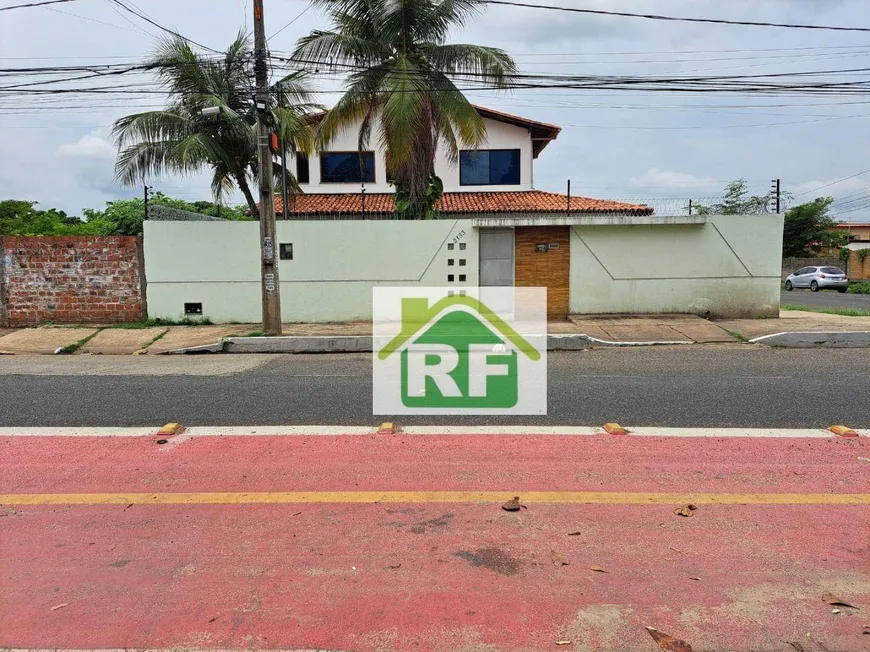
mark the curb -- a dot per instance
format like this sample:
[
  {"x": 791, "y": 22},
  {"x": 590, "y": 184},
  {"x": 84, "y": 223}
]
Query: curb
[
  {"x": 816, "y": 340},
  {"x": 363, "y": 344}
]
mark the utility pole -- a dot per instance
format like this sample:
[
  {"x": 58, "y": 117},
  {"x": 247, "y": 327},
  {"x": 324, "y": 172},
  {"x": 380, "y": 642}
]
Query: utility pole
[
  {"x": 146, "y": 201},
  {"x": 777, "y": 195},
  {"x": 283, "y": 158},
  {"x": 268, "y": 246}
]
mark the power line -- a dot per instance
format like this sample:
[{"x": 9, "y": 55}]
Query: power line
[
  {"x": 302, "y": 13},
  {"x": 717, "y": 21},
  {"x": 140, "y": 14},
  {"x": 833, "y": 183},
  {"x": 35, "y": 4}
]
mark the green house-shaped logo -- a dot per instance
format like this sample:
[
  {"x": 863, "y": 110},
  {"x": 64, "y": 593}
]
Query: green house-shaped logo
[{"x": 457, "y": 353}]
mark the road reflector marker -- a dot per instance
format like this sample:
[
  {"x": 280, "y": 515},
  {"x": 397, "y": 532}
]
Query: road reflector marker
[
  {"x": 388, "y": 429},
  {"x": 614, "y": 429},
  {"x": 170, "y": 429},
  {"x": 843, "y": 431}
]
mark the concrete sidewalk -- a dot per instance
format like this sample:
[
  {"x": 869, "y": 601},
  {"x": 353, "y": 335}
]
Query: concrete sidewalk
[{"x": 577, "y": 332}]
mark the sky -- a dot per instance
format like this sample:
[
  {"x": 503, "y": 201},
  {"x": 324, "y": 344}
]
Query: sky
[{"x": 614, "y": 145}]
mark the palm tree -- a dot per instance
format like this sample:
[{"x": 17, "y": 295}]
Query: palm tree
[
  {"x": 401, "y": 74},
  {"x": 180, "y": 139}
]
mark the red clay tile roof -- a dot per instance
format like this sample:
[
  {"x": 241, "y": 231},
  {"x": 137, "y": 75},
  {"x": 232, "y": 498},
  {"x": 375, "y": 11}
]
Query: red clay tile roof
[
  {"x": 526, "y": 201},
  {"x": 542, "y": 132}
]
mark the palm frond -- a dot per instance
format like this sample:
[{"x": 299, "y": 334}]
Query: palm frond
[{"x": 488, "y": 65}]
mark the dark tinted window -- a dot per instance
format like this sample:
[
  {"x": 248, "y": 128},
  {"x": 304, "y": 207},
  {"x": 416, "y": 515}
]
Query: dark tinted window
[
  {"x": 832, "y": 270},
  {"x": 347, "y": 167},
  {"x": 303, "y": 172},
  {"x": 495, "y": 167}
]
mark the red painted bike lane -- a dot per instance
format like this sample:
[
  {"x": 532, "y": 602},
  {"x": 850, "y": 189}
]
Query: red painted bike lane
[{"x": 430, "y": 575}]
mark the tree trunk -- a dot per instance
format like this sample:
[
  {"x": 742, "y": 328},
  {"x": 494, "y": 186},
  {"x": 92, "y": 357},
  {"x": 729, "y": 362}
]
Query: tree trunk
[{"x": 246, "y": 191}]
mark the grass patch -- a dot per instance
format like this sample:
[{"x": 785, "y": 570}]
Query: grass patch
[
  {"x": 860, "y": 288},
  {"x": 160, "y": 321},
  {"x": 255, "y": 334},
  {"x": 737, "y": 336},
  {"x": 844, "y": 312},
  {"x": 70, "y": 349}
]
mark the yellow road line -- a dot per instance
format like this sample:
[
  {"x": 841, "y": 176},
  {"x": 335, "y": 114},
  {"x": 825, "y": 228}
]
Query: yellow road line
[{"x": 371, "y": 497}]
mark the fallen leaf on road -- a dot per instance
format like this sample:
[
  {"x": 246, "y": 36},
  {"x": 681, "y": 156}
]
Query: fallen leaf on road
[
  {"x": 676, "y": 549},
  {"x": 797, "y": 646},
  {"x": 668, "y": 643},
  {"x": 597, "y": 569},
  {"x": 834, "y": 600},
  {"x": 60, "y": 606},
  {"x": 513, "y": 505},
  {"x": 697, "y": 579},
  {"x": 574, "y": 534},
  {"x": 835, "y": 611},
  {"x": 564, "y": 642},
  {"x": 685, "y": 510},
  {"x": 866, "y": 630},
  {"x": 558, "y": 558},
  {"x": 395, "y": 566},
  {"x": 864, "y": 459}
]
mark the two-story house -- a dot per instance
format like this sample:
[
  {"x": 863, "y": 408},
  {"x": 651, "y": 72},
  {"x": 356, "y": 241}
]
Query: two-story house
[
  {"x": 495, "y": 228},
  {"x": 495, "y": 182}
]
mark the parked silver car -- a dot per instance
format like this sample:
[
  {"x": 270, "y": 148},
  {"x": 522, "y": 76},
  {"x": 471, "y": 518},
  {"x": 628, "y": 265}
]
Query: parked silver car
[{"x": 818, "y": 278}]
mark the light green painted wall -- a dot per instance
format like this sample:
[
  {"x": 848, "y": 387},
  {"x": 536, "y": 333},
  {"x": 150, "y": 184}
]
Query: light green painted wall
[
  {"x": 335, "y": 265},
  {"x": 729, "y": 267}
]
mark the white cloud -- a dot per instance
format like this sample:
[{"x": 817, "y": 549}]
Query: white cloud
[{"x": 88, "y": 147}]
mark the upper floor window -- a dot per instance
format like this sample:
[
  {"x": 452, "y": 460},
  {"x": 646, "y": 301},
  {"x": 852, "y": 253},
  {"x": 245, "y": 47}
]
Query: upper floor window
[
  {"x": 492, "y": 167},
  {"x": 303, "y": 174},
  {"x": 347, "y": 167}
]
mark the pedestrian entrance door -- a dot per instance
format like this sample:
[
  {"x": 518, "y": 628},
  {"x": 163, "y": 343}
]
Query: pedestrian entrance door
[{"x": 496, "y": 257}]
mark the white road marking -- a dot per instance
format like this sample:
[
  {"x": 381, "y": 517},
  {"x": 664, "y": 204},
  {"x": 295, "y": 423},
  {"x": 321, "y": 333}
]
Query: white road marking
[
  {"x": 78, "y": 432},
  {"x": 331, "y": 431},
  {"x": 780, "y": 433},
  {"x": 757, "y": 340}
]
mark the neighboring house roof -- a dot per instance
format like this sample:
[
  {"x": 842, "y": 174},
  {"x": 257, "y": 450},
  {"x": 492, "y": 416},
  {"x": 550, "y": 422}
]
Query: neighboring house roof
[
  {"x": 851, "y": 225},
  {"x": 542, "y": 133},
  {"x": 417, "y": 314},
  {"x": 523, "y": 201}
]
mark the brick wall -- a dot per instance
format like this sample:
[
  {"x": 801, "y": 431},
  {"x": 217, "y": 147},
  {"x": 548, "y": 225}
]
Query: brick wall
[
  {"x": 548, "y": 269},
  {"x": 858, "y": 270},
  {"x": 71, "y": 279}
]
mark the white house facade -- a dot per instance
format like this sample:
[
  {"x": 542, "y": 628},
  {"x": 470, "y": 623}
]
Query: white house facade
[
  {"x": 505, "y": 162},
  {"x": 341, "y": 238}
]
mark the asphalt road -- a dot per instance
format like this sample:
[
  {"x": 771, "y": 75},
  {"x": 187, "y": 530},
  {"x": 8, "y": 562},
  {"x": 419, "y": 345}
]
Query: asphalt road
[
  {"x": 727, "y": 386},
  {"x": 826, "y": 299}
]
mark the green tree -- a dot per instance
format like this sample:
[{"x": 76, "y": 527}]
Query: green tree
[
  {"x": 125, "y": 216},
  {"x": 21, "y": 217},
  {"x": 180, "y": 140},
  {"x": 400, "y": 76},
  {"x": 809, "y": 228},
  {"x": 736, "y": 200}
]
